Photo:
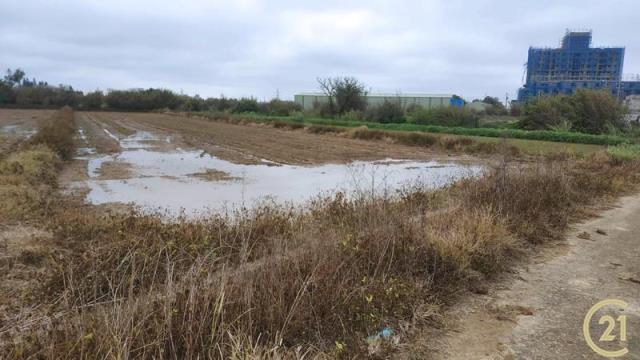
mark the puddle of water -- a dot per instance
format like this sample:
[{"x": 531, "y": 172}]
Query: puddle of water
[
  {"x": 85, "y": 151},
  {"x": 16, "y": 130},
  {"x": 164, "y": 180},
  {"x": 9, "y": 129}
]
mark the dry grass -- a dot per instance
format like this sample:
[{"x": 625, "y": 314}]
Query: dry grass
[
  {"x": 324, "y": 129},
  {"x": 287, "y": 125},
  {"x": 446, "y": 143},
  {"x": 57, "y": 133},
  {"x": 141, "y": 287},
  {"x": 27, "y": 181},
  {"x": 280, "y": 282},
  {"x": 28, "y": 173}
]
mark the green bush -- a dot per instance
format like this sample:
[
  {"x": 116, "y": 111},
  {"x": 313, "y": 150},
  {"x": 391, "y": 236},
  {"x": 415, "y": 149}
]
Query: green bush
[
  {"x": 595, "y": 112},
  {"x": 142, "y": 100},
  {"x": 624, "y": 152},
  {"x": 93, "y": 100},
  {"x": 543, "y": 135},
  {"x": 588, "y": 111},
  {"x": 387, "y": 112},
  {"x": 546, "y": 112},
  {"x": 444, "y": 116},
  {"x": 246, "y": 105},
  {"x": 353, "y": 115},
  {"x": 277, "y": 107}
]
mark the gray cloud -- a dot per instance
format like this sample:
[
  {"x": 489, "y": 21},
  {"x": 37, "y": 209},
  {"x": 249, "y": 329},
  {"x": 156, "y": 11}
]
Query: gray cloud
[{"x": 251, "y": 47}]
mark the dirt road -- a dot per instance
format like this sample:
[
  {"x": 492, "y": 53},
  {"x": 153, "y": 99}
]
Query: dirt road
[{"x": 538, "y": 312}]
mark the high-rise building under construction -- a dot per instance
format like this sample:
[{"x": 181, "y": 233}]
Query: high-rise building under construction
[{"x": 576, "y": 64}]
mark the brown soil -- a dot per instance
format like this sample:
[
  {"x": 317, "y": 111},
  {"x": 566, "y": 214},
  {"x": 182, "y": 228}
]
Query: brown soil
[
  {"x": 214, "y": 175},
  {"x": 25, "y": 118},
  {"x": 22, "y": 121},
  {"x": 115, "y": 170},
  {"x": 95, "y": 134},
  {"x": 253, "y": 143}
]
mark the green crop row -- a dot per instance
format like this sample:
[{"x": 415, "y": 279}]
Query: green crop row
[{"x": 544, "y": 135}]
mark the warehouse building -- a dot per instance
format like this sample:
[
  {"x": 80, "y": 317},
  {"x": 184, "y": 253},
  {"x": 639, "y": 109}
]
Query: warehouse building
[
  {"x": 310, "y": 100},
  {"x": 576, "y": 64}
]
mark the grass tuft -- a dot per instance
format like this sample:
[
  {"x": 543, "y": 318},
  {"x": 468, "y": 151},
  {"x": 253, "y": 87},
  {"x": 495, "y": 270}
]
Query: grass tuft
[{"x": 624, "y": 152}]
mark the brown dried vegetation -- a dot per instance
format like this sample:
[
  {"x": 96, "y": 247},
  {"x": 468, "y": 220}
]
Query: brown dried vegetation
[{"x": 280, "y": 282}]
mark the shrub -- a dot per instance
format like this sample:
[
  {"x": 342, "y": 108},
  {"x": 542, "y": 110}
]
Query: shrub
[
  {"x": 287, "y": 125},
  {"x": 364, "y": 133},
  {"x": 277, "y": 107},
  {"x": 516, "y": 109},
  {"x": 323, "y": 129},
  {"x": 545, "y": 112},
  {"x": 353, "y": 115},
  {"x": 455, "y": 143},
  {"x": 28, "y": 175},
  {"x": 596, "y": 111},
  {"x": 57, "y": 133},
  {"x": 496, "y": 108},
  {"x": 387, "y": 112},
  {"x": 93, "y": 100},
  {"x": 246, "y": 105},
  {"x": 444, "y": 116},
  {"x": 588, "y": 111},
  {"x": 142, "y": 99},
  {"x": 624, "y": 152},
  {"x": 416, "y": 139}
]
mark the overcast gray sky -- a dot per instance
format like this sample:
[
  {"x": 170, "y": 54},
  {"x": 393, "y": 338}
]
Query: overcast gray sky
[{"x": 251, "y": 47}]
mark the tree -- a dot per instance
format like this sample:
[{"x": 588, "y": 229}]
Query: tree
[
  {"x": 589, "y": 111},
  {"x": 7, "y": 96},
  {"x": 344, "y": 94},
  {"x": 596, "y": 112},
  {"x": 14, "y": 78},
  {"x": 93, "y": 100},
  {"x": 246, "y": 105},
  {"x": 547, "y": 112}
]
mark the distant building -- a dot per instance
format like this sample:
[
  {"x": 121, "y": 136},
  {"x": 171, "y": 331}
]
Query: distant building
[
  {"x": 309, "y": 100},
  {"x": 576, "y": 64},
  {"x": 632, "y": 103}
]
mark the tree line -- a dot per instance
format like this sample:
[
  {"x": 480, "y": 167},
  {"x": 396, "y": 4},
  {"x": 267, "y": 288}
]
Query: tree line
[
  {"x": 586, "y": 111},
  {"x": 17, "y": 90}
]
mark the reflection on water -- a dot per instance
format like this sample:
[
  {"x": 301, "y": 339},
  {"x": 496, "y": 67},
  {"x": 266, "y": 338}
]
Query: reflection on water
[{"x": 165, "y": 180}]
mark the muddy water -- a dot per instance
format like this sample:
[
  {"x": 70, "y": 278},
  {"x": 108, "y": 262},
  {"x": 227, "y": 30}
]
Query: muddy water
[
  {"x": 176, "y": 181},
  {"x": 17, "y": 130}
]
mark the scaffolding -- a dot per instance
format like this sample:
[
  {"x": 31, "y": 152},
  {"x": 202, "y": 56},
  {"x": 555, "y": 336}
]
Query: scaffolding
[{"x": 575, "y": 64}]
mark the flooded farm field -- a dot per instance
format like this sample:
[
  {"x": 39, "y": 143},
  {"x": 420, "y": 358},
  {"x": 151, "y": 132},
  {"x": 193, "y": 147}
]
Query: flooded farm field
[{"x": 153, "y": 172}]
